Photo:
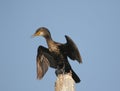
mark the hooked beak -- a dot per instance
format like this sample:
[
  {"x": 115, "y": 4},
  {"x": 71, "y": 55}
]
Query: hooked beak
[
  {"x": 39, "y": 33},
  {"x": 33, "y": 36}
]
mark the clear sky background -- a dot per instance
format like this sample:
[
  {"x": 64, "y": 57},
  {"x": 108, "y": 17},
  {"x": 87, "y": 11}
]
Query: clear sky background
[{"x": 94, "y": 25}]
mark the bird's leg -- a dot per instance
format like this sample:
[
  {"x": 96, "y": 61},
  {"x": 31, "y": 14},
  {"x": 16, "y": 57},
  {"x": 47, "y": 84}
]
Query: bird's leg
[
  {"x": 63, "y": 69},
  {"x": 60, "y": 70}
]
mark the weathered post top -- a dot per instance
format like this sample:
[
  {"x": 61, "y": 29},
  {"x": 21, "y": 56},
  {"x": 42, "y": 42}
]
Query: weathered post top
[{"x": 65, "y": 82}]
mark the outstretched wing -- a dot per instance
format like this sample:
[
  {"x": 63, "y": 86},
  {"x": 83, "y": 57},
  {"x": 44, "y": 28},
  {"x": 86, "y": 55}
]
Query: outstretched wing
[
  {"x": 72, "y": 50},
  {"x": 44, "y": 60},
  {"x": 42, "y": 66}
]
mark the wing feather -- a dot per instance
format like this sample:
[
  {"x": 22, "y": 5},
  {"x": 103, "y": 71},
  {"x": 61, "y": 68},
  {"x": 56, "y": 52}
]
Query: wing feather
[
  {"x": 72, "y": 50},
  {"x": 42, "y": 66},
  {"x": 43, "y": 61}
]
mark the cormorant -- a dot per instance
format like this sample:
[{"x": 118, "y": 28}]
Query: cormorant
[{"x": 56, "y": 55}]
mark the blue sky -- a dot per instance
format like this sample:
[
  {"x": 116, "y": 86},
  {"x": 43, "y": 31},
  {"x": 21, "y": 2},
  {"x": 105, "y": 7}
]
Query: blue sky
[{"x": 94, "y": 25}]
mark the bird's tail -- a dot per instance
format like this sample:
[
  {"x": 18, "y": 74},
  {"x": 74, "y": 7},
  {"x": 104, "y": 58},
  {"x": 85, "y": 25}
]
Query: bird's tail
[{"x": 75, "y": 77}]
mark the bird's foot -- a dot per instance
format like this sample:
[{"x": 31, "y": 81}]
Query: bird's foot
[{"x": 59, "y": 71}]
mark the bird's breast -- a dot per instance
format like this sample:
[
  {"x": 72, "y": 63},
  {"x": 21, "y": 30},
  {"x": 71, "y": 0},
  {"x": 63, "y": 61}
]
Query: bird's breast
[
  {"x": 54, "y": 50},
  {"x": 53, "y": 47}
]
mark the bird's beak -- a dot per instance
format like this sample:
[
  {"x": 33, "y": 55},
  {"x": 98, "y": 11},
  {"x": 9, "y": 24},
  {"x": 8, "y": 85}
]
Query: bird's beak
[{"x": 34, "y": 35}]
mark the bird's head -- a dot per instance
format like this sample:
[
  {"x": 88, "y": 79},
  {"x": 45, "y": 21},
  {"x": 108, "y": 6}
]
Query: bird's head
[{"x": 42, "y": 31}]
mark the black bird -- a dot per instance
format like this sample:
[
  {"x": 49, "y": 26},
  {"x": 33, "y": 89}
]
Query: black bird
[{"x": 56, "y": 55}]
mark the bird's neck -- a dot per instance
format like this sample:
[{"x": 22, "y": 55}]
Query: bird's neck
[
  {"x": 52, "y": 46},
  {"x": 49, "y": 41}
]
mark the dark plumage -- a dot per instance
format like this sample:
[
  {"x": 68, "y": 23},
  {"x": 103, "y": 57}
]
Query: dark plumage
[{"x": 56, "y": 55}]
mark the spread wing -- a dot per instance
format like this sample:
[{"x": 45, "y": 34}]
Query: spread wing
[
  {"x": 43, "y": 61},
  {"x": 72, "y": 50}
]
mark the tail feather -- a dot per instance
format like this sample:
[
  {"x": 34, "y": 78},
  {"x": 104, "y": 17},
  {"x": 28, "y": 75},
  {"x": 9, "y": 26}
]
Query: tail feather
[{"x": 75, "y": 77}]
